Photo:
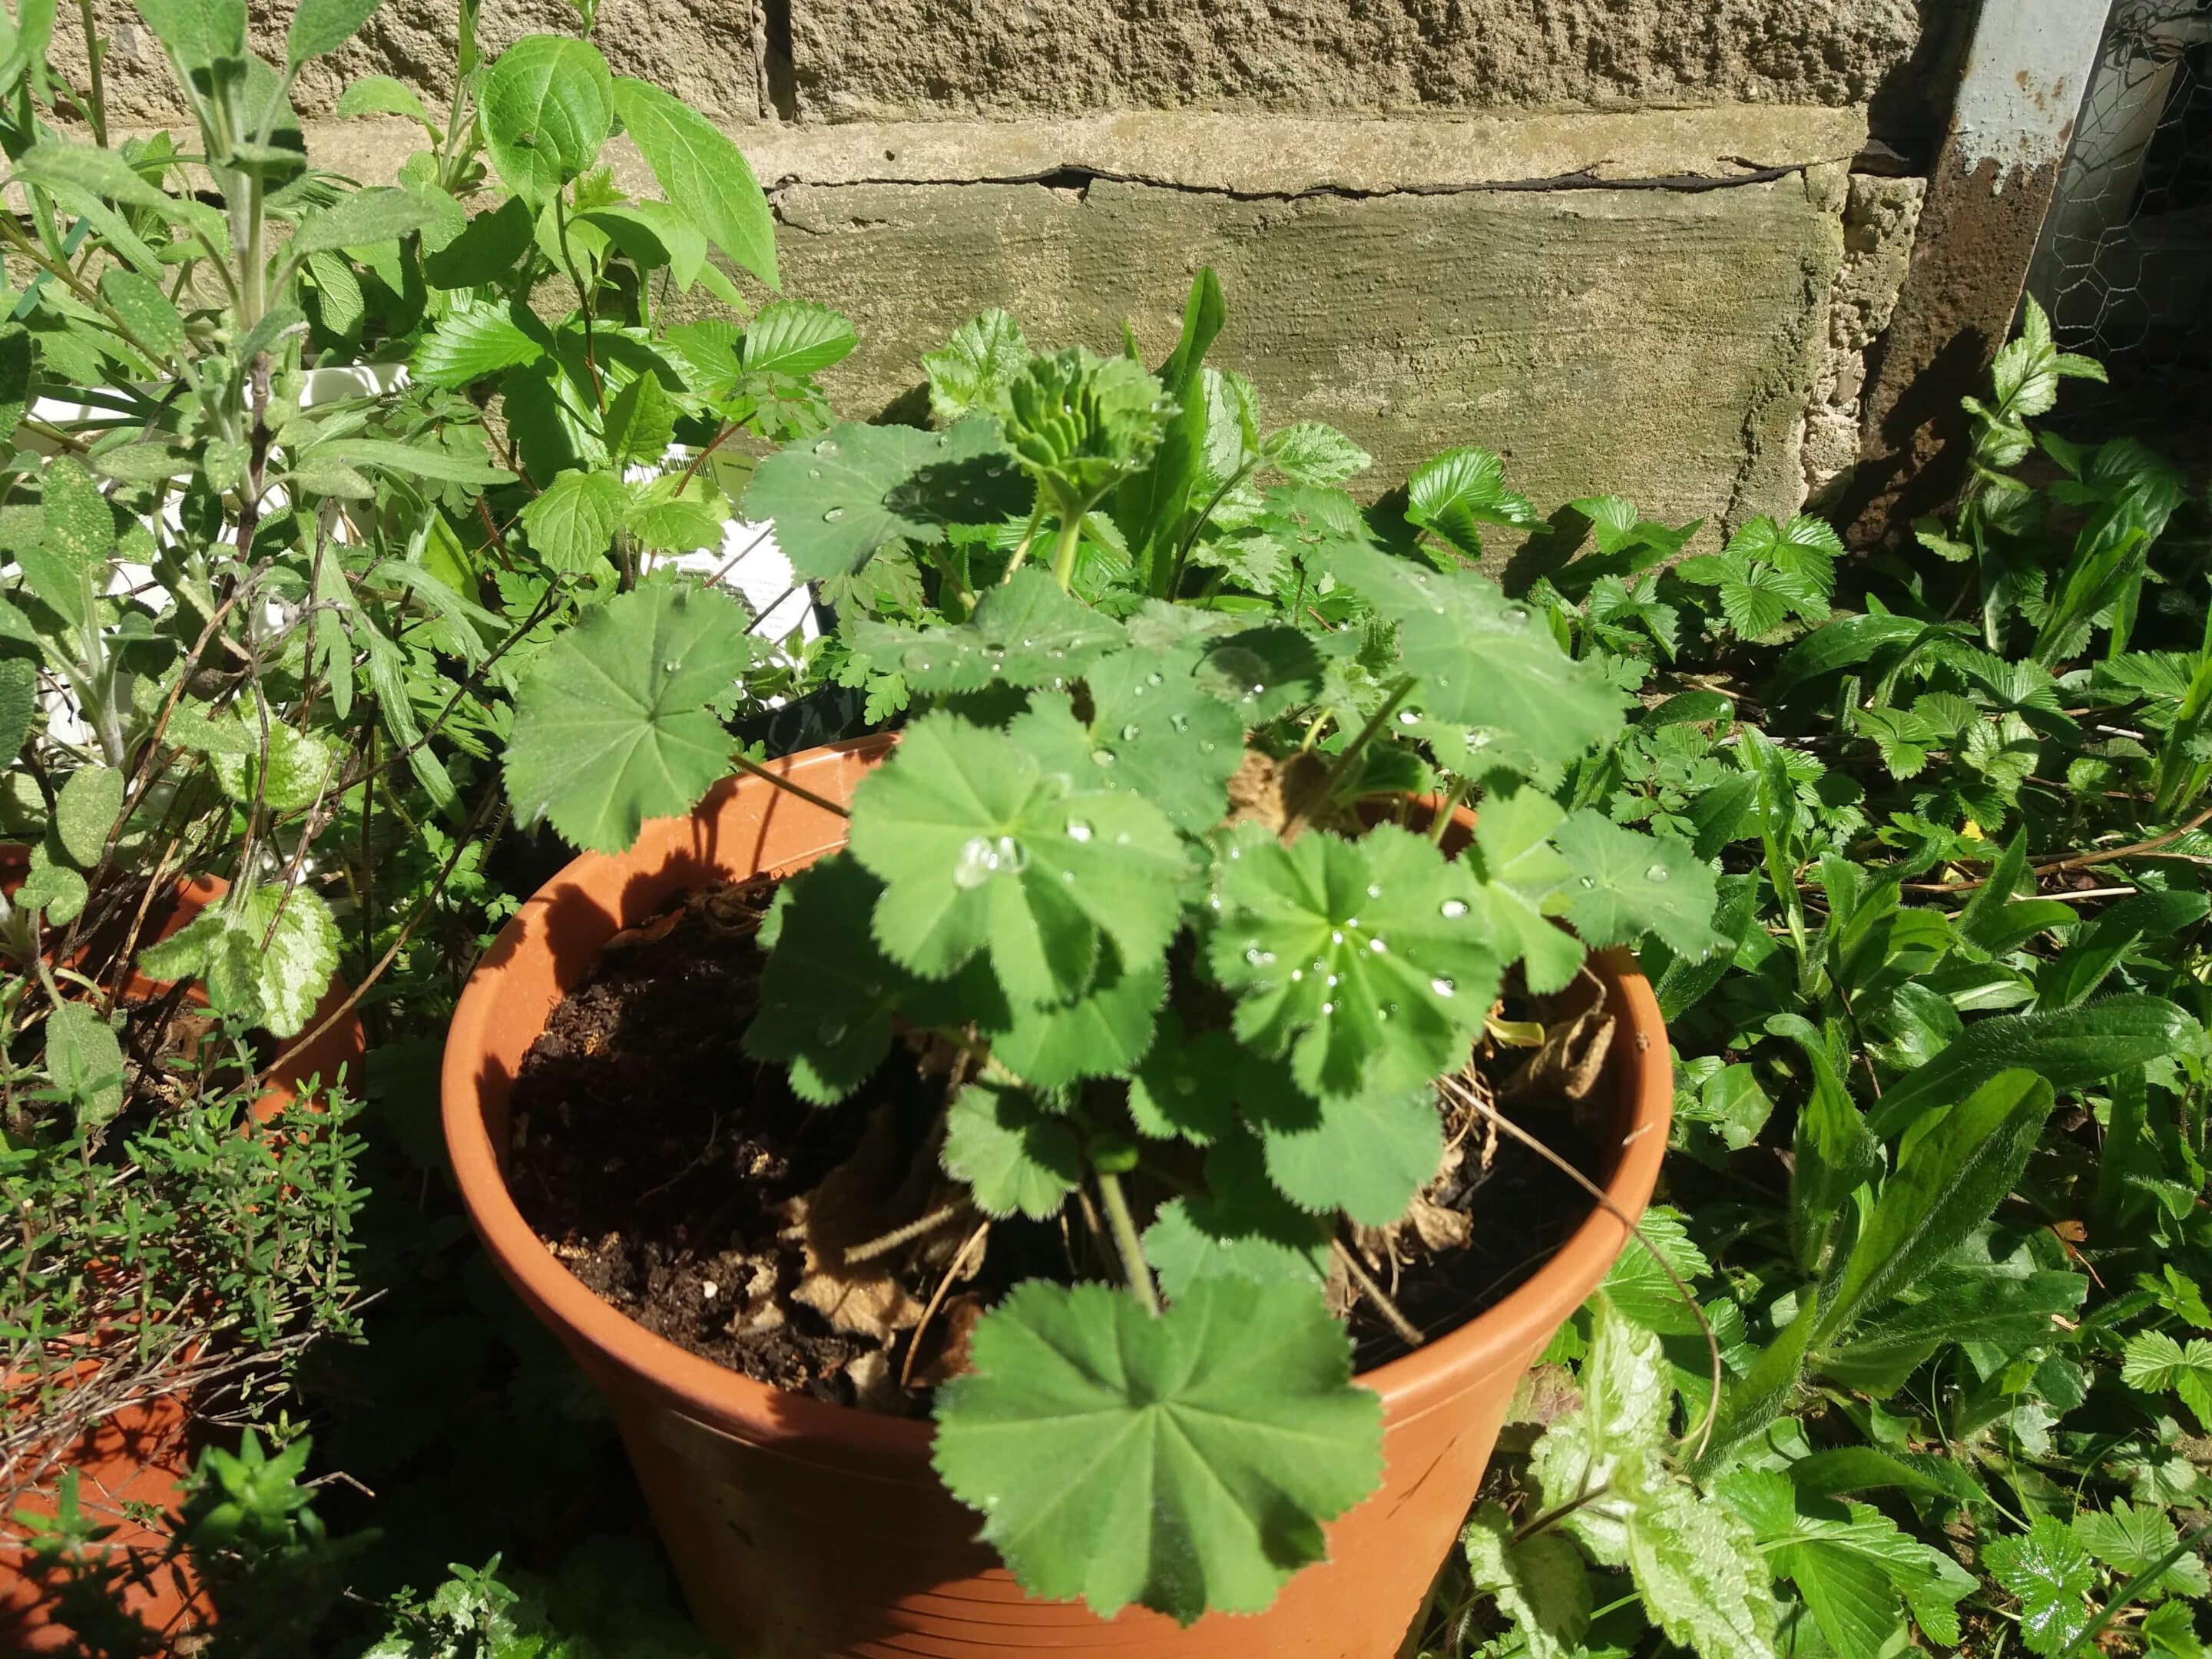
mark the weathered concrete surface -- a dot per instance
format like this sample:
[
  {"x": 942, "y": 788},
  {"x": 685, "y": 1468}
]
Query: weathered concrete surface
[
  {"x": 1265, "y": 154},
  {"x": 862, "y": 59},
  {"x": 703, "y": 50},
  {"x": 1658, "y": 343},
  {"x": 1879, "y": 221}
]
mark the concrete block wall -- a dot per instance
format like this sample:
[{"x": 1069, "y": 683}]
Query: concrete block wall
[{"x": 1628, "y": 243}]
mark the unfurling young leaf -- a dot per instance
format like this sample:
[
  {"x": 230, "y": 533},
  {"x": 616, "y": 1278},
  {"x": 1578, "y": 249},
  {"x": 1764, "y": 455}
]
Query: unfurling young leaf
[{"x": 1184, "y": 1462}]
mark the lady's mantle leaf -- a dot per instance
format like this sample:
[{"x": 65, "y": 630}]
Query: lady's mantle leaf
[
  {"x": 1627, "y": 884},
  {"x": 1366, "y": 1156},
  {"x": 1482, "y": 661},
  {"x": 1366, "y": 961},
  {"x": 2050, "y": 1573},
  {"x": 610, "y": 728},
  {"x": 1014, "y": 1153},
  {"x": 1523, "y": 873},
  {"x": 1024, "y": 632},
  {"x": 827, "y": 994},
  {"x": 1184, "y": 1462},
  {"x": 1239, "y": 1227},
  {"x": 1153, "y": 732},
  {"x": 836, "y": 499},
  {"x": 1103, "y": 1032},
  {"x": 981, "y": 850}
]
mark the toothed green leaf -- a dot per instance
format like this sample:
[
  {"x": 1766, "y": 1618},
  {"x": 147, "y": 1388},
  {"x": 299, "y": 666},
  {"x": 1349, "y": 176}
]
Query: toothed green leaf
[
  {"x": 1185, "y": 1462},
  {"x": 1024, "y": 632},
  {"x": 1523, "y": 874},
  {"x": 1364, "y": 963},
  {"x": 1626, "y": 883},
  {"x": 981, "y": 851},
  {"x": 1238, "y": 1227},
  {"x": 1153, "y": 732},
  {"x": 1014, "y": 1153}
]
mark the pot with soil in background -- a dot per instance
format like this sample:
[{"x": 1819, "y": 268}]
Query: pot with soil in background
[
  {"x": 139, "y": 1454},
  {"x": 800, "y": 1527}
]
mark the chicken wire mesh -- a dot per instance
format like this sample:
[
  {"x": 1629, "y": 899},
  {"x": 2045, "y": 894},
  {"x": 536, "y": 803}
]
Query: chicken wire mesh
[{"x": 2123, "y": 260}]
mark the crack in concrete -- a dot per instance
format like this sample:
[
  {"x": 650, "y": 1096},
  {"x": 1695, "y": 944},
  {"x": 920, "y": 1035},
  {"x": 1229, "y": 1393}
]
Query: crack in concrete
[{"x": 1078, "y": 179}]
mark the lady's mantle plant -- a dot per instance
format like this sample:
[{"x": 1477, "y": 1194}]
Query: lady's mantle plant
[{"x": 1144, "y": 882}]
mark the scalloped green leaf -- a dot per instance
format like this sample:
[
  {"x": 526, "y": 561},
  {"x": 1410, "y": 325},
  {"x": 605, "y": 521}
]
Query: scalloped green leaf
[
  {"x": 1238, "y": 1227},
  {"x": 1481, "y": 660},
  {"x": 1628, "y": 883},
  {"x": 839, "y": 499},
  {"x": 1366, "y": 1156},
  {"x": 476, "y": 339},
  {"x": 1189, "y": 1084},
  {"x": 1152, "y": 731},
  {"x": 610, "y": 723},
  {"x": 1014, "y": 1152},
  {"x": 86, "y": 810},
  {"x": 1184, "y": 1462},
  {"x": 827, "y": 994},
  {"x": 1522, "y": 875},
  {"x": 1102, "y": 1033},
  {"x": 1024, "y": 632},
  {"x": 982, "y": 852},
  {"x": 1366, "y": 962},
  {"x": 86, "y": 1062}
]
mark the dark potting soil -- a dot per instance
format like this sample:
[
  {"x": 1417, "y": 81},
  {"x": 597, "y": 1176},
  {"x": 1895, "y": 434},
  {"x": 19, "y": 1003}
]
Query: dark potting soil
[{"x": 677, "y": 1178}]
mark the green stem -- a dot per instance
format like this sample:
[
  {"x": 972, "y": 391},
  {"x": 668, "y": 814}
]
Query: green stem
[
  {"x": 95, "y": 55},
  {"x": 1029, "y": 535},
  {"x": 1126, "y": 1240},
  {"x": 1204, "y": 517},
  {"x": 1343, "y": 763},
  {"x": 1063, "y": 551}
]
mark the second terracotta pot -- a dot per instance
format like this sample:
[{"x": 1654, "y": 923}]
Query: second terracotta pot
[
  {"x": 803, "y": 1530},
  {"x": 135, "y": 1460}
]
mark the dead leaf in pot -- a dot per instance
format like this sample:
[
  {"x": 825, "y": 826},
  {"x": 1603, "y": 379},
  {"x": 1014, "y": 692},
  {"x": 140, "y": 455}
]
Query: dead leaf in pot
[
  {"x": 862, "y": 1302},
  {"x": 873, "y": 1390},
  {"x": 646, "y": 933},
  {"x": 1570, "y": 1060},
  {"x": 950, "y": 1342}
]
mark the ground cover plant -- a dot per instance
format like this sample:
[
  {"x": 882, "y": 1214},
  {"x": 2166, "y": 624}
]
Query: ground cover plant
[{"x": 1929, "y": 939}]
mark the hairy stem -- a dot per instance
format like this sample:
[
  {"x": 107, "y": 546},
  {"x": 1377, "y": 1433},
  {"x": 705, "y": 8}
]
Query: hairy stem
[{"x": 1124, "y": 1227}]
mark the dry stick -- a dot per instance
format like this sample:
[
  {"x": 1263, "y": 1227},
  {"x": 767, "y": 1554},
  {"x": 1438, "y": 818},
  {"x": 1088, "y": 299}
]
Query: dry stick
[
  {"x": 1605, "y": 1202},
  {"x": 461, "y": 845},
  {"x": 937, "y": 1299},
  {"x": 1408, "y": 1332},
  {"x": 785, "y": 784},
  {"x": 2078, "y": 860},
  {"x": 919, "y": 1228}
]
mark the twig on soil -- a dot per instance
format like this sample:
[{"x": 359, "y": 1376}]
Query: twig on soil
[
  {"x": 952, "y": 1270},
  {"x": 1408, "y": 1332}
]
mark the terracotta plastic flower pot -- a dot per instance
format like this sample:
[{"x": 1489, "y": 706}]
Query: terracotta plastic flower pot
[
  {"x": 141, "y": 1454},
  {"x": 801, "y": 1529}
]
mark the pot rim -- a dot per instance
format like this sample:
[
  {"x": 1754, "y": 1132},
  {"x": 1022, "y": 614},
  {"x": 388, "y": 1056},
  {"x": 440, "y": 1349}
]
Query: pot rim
[{"x": 1414, "y": 1383}]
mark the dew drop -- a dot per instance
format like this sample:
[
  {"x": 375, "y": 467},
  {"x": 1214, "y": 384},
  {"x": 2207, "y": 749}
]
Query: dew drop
[
  {"x": 1377, "y": 945},
  {"x": 1331, "y": 982},
  {"x": 1296, "y": 974},
  {"x": 1656, "y": 872},
  {"x": 1453, "y": 909},
  {"x": 833, "y": 515},
  {"x": 1409, "y": 717},
  {"x": 827, "y": 447},
  {"x": 1443, "y": 987},
  {"x": 1514, "y": 616},
  {"x": 1327, "y": 1008},
  {"x": 670, "y": 666},
  {"x": 1336, "y": 936},
  {"x": 1373, "y": 891},
  {"x": 994, "y": 472},
  {"x": 1101, "y": 757},
  {"x": 978, "y": 863},
  {"x": 1152, "y": 679},
  {"x": 1590, "y": 881},
  {"x": 1180, "y": 722},
  {"x": 1129, "y": 733},
  {"x": 813, "y": 472},
  {"x": 1077, "y": 829}
]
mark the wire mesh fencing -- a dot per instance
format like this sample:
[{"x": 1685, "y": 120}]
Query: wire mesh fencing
[{"x": 2124, "y": 264}]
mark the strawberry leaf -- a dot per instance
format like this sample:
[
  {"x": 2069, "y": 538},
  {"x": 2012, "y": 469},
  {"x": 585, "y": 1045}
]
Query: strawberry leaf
[{"x": 1185, "y": 1462}]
